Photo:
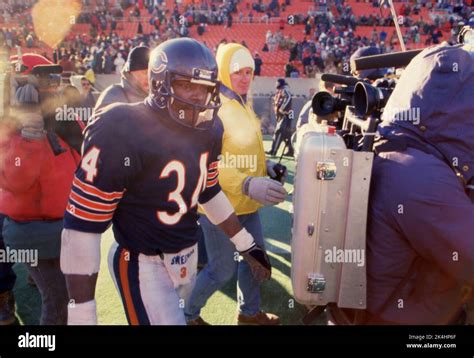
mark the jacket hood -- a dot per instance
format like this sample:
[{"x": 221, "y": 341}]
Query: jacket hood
[
  {"x": 433, "y": 102},
  {"x": 224, "y": 57},
  {"x": 225, "y": 54}
]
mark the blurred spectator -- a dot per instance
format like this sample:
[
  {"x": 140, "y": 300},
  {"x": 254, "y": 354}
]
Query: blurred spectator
[
  {"x": 90, "y": 75},
  {"x": 134, "y": 84},
  {"x": 88, "y": 99},
  {"x": 258, "y": 64},
  {"x": 201, "y": 29},
  {"x": 36, "y": 171},
  {"x": 119, "y": 63},
  {"x": 291, "y": 70},
  {"x": 310, "y": 69}
]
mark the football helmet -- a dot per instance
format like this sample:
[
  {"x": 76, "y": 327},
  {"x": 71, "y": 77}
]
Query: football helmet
[{"x": 184, "y": 58}]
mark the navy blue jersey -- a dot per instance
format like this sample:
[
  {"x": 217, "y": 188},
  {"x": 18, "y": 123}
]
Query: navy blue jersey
[{"x": 145, "y": 173}]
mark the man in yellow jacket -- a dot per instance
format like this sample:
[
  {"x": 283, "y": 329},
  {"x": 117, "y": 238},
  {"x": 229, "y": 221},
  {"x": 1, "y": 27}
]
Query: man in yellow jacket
[{"x": 243, "y": 177}]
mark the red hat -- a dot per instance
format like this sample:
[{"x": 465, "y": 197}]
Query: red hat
[{"x": 29, "y": 61}]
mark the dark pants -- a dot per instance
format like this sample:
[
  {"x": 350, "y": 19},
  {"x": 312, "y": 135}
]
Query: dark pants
[
  {"x": 282, "y": 134},
  {"x": 7, "y": 276},
  {"x": 51, "y": 284},
  {"x": 45, "y": 238}
]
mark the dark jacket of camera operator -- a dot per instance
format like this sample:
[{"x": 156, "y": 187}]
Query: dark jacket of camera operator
[
  {"x": 420, "y": 244},
  {"x": 134, "y": 84}
]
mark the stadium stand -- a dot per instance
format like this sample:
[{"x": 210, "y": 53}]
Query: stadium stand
[{"x": 305, "y": 31}]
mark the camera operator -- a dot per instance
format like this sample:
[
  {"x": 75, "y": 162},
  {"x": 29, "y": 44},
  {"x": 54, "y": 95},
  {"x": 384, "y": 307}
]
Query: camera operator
[
  {"x": 420, "y": 243},
  {"x": 36, "y": 171},
  {"x": 134, "y": 85}
]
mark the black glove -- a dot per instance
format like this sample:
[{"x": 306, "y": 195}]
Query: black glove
[{"x": 259, "y": 263}]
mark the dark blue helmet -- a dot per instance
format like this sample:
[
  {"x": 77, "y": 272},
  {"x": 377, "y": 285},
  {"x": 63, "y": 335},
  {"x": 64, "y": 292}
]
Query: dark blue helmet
[{"x": 184, "y": 58}]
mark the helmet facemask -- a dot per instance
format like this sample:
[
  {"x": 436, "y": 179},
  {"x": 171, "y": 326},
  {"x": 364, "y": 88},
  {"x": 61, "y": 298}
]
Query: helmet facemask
[{"x": 185, "y": 111}]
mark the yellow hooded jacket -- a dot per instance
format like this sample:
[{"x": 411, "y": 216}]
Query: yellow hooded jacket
[{"x": 242, "y": 148}]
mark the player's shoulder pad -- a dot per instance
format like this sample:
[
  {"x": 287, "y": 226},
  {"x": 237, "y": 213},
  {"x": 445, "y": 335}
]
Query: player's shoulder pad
[{"x": 115, "y": 116}]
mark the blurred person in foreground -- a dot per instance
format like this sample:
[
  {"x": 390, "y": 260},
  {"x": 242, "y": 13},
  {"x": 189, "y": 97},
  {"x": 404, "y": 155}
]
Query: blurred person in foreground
[{"x": 36, "y": 171}]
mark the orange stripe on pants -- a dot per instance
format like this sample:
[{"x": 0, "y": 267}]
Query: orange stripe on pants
[{"x": 123, "y": 269}]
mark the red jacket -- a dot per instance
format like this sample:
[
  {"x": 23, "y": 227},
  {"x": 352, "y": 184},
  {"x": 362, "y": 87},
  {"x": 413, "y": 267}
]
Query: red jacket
[{"x": 34, "y": 183}]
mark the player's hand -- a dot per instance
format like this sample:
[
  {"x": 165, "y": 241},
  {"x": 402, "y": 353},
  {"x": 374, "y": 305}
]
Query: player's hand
[
  {"x": 264, "y": 190},
  {"x": 79, "y": 314},
  {"x": 259, "y": 263}
]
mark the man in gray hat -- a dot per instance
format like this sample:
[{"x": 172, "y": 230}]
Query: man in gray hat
[{"x": 134, "y": 84}]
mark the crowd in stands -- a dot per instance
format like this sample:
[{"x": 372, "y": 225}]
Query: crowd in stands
[
  {"x": 329, "y": 41},
  {"x": 330, "y": 37}
]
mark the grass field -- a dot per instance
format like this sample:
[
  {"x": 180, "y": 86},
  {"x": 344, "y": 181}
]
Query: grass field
[{"x": 221, "y": 308}]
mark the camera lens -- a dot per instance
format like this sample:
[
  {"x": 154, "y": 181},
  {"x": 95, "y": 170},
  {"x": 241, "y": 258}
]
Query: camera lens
[{"x": 369, "y": 99}]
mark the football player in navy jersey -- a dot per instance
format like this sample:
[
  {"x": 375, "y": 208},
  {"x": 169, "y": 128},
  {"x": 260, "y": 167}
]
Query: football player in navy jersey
[{"x": 145, "y": 167}]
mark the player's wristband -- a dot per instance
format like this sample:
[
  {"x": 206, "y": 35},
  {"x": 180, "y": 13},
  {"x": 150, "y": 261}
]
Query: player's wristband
[
  {"x": 242, "y": 240},
  {"x": 82, "y": 313}
]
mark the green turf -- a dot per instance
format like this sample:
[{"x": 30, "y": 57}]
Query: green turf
[{"x": 221, "y": 307}]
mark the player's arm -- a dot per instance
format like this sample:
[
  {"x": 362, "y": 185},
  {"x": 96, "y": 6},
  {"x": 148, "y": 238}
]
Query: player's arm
[
  {"x": 220, "y": 212},
  {"x": 97, "y": 188},
  {"x": 80, "y": 262}
]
